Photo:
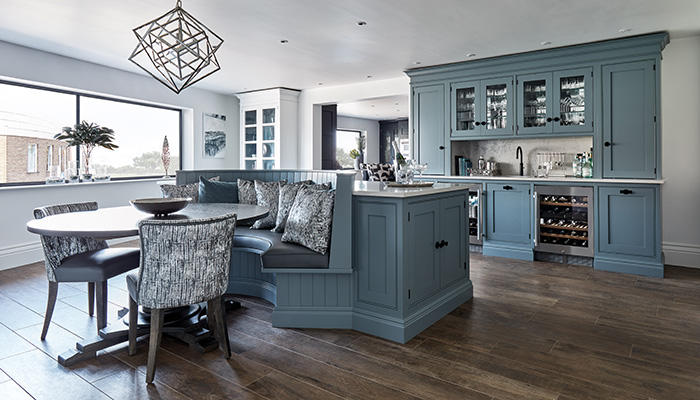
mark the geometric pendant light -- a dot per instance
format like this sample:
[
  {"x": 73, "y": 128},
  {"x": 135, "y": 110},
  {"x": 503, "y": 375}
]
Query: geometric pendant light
[{"x": 176, "y": 49}]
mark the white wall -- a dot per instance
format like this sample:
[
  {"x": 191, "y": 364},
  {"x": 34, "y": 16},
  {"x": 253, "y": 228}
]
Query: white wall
[
  {"x": 370, "y": 129},
  {"x": 310, "y": 102},
  {"x": 680, "y": 110},
  {"x": 17, "y": 246}
]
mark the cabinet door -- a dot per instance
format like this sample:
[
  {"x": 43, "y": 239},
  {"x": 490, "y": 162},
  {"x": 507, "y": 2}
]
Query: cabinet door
[
  {"x": 508, "y": 212},
  {"x": 422, "y": 234},
  {"x": 465, "y": 109},
  {"x": 497, "y": 115},
  {"x": 453, "y": 231},
  {"x": 429, "y": 123},
  {"x": 626, "y": 220},
  {"x": 535, "y": 103},
  {"x": 629, "y": 126},
  {"x": 572, "y": 105},
  {"x": 388, "y": 132}
]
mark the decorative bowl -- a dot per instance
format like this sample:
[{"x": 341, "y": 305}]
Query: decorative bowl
[{"x": 160, "y": 206}]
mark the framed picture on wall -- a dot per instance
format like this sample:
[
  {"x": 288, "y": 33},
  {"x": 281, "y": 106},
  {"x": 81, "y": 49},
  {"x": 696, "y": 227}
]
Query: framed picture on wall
[{"x": 214, "y": 136}]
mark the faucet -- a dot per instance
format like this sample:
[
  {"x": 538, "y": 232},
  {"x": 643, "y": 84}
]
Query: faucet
[{"x": 519, "y": 153}]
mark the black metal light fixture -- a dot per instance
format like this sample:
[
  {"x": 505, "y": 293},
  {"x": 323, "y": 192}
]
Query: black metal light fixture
[{"x": 176, "y": 49}]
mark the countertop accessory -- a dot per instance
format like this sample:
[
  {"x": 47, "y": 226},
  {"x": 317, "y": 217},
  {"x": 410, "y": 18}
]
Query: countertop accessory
[
  {"x": 519, "y": 153},
  {"x": 160, "y": 206}
]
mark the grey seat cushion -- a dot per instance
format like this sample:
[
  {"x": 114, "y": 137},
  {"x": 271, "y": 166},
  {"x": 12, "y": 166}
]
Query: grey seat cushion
[
  {"x": 97, "y": 265},
  {"x": 277, "y": 254}
]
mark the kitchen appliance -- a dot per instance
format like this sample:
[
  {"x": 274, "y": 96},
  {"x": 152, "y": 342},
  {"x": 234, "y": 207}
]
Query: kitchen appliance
[
  {"x": 564, "y": 220},
  {"x": 475, "y": 215}
]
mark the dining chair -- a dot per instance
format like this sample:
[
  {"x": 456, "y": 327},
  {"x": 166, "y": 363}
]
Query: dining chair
[
  {"x": 183, "y": 262},
  {"x": 81, "y": 259}
]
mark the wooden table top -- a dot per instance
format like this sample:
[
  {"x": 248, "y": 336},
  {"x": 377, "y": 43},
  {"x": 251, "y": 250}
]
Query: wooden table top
[{"x": 116, "y": 222}]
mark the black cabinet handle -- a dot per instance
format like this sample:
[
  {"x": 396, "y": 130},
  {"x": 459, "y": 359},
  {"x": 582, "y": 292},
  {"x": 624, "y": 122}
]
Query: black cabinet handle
[
  {"x": 607, "y": 144},
  {"x": 477, "y": 123},
  {"x": 556, "y": 119},
  {"x": 437, "y": 245},
  {"x": 483, "y": 122},
  {"x": 443, "y": 243},
  {"x": 549, "y": 119},
  {"x": 507, "y": 187},
  {"x": 441, "y": 147},
  {"x": 625, "y": 191}
]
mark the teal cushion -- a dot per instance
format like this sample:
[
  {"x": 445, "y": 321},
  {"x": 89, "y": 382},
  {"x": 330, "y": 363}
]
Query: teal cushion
[{"x": 217, "y": 192}]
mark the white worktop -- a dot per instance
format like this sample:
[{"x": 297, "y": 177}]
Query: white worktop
[
  {"x": 568, "y": 179},
  {"x": 379, "y": 189}
]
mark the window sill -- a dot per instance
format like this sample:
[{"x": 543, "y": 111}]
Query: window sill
[{"x": 81, "y": 184}]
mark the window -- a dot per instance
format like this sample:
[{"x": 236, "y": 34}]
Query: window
[
  {"x": 32, "y": 115},
  {"x": 32, "y": 158},
  {"x": 345, "y": 141}
]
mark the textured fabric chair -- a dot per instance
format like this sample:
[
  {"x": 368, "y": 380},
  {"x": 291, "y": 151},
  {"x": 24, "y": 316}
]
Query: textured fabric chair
[
  {"x": 183, "y": 262},
  {"x": 379, "y": 172},
  {"x": 79, "y": 259}
]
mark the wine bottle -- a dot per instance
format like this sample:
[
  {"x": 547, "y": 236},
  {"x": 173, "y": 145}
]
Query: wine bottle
[{"x": 400, "y": 160}]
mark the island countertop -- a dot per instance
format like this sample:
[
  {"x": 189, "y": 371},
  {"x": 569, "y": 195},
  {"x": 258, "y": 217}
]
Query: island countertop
[{"x": 379, "y": 189}]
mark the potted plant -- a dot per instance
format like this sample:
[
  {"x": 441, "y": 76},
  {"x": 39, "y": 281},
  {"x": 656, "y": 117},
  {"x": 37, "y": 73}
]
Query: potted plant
[
  {"x": 355, "y": 155},
  {"x": 88, "y": 136}
]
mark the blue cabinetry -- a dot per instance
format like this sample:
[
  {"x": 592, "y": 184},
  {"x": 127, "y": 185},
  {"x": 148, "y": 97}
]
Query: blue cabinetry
[
  {"x": 508, "y": 229},
  {"x": 482, "y": 108},
  {"x": 429, "y": 127}
]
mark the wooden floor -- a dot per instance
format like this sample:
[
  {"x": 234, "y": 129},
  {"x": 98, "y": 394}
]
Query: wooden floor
[{"x": 534, "y": 330}]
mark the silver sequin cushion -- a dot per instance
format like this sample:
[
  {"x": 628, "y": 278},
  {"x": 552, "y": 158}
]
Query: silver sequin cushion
[
  {"x": 288, "y": 193},
  {"x": 190, "y": 190},
  {"x": 246, "y": 192},
  {"x": 268, "y": 195},
  {"x": 310, "y": 219}
]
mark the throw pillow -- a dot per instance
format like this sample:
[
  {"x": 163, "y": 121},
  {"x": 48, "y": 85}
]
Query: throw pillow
[
  {"x": 190, "y": 190},
  {"x": 246, "y": 192},
  {"x": 288, "y": 193},
  {"x": 217, "y": 192},
  {"x": 380, "y": 172},
  {"x": 268, "y": 195},
  {"x": 310, "y": 219}
]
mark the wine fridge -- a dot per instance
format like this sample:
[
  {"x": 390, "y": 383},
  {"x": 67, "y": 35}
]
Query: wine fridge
[
  {"x": 475, "y": 216},
  {"x": 565, "y": 220}
]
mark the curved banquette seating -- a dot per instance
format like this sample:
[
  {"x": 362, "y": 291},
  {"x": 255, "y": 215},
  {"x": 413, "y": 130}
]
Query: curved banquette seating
[{"x": 290, "y": 275}]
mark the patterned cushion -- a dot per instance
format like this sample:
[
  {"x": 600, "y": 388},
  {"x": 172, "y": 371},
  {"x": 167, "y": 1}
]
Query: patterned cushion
[
  {"x": 288, "y": 193},
  {"x": 190, "y": 190},
  {"x": 246, "y": 192},
  {"x": 217, "y": 192},
  {"x": 268, "y": 195},
  {"x": 380, "y": 172},
  {"x": 309, "y": 221}
]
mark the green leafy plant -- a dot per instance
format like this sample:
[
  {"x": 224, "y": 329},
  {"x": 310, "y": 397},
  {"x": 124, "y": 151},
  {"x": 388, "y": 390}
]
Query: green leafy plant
[
  {"x": 88, "y": 136},
  {"x": 354, "y": 154}
]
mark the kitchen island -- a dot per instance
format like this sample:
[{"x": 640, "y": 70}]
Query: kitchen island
[{"x": 411, "y": 261}]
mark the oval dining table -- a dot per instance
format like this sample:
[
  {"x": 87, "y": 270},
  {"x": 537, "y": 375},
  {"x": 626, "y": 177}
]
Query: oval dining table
[{"x": 122, "y": 222}]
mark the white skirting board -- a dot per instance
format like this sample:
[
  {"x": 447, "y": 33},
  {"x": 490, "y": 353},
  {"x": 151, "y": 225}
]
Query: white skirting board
[{"x": 682, "y": 254}]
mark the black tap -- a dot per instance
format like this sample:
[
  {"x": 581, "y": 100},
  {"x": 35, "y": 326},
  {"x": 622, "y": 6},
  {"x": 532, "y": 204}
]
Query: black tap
[{"x": 519, "y": 153}]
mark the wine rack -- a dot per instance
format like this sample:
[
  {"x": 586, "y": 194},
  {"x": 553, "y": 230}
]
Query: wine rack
[{"x": 565, "y": 220}]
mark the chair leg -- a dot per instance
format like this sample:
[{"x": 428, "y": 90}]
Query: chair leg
[
  {"x": 50, "y": 304},
  {"x": 91, "y": 298},
  {"x": 154, "y": 343},
  {"x": 101, "y": 305},
  {"x": 219, "y": 324},
  {"x": 133, "y": 321}
]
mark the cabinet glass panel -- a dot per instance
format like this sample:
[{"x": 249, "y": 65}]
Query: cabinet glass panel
[
  {"x": 250, "y": 134},
  {"x": 534, "y": 103},
  {"x": 466, "y": 109},
  {"x": 496, "y": 106},
  {"x": 268, "y": 150},
  {"x": 251, "y": 117},
  {"x": 251, "y": 150},
  {"x": 268, "y": 115},
  {"x": 268, "y": 164},
  {"x": 268, "y": 133},
  {"x": 250, "y": 164},
  {"x": 572, "y": 100}
]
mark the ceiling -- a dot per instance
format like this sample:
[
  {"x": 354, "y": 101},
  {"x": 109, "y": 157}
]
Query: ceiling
[{"x": 326, "y": 45}]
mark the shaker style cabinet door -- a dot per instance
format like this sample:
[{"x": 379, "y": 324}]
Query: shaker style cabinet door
[
  {"x": 627, "y": 218},
  {"x": 465, "y": 109},
  {"x": 629, "y": 120},
  {"x": 423, "y": 233},
  {"x": 453, "y": 256},
  {"x": 508, "y": 213},
  {"x": 429, "y": 125}
]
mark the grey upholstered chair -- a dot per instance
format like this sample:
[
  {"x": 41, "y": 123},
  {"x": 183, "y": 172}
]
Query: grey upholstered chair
[
  {"x": 183, "y": 262},
  {"x": 79, "y": 259}
]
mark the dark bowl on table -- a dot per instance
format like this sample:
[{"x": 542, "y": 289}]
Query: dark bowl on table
[{"x": 160, "y": 206}]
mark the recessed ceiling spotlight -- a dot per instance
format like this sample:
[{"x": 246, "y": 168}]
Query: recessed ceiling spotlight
[
  {"x": 624, "y": 30},
  {"x": 398, "y": 110},
  {"x": 471, "y": 55},
  {"x": 372, "y": 106},
  {"x": 396, "y": 104},
  {"x": 361, "y": 23},
  {"x": 320, "y": 84},
  {"x": 369, "y": 76},
  {"x": 416, "y": 63},
  {"x": 545, "y": 43},
  {"x": 283, "y": 41}
]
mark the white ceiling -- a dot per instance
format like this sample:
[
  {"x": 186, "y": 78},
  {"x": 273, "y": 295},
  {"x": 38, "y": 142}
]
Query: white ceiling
[{"x": 325, "y": 43}]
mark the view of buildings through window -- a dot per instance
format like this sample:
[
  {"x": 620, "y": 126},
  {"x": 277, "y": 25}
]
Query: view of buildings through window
[
  {"x": 345, "y": 141},
  {"x": 30, "y": 117}
]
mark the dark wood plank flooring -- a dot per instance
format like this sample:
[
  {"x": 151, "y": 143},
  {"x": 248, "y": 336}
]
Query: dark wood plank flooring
[{"x": 534, "y": 330}]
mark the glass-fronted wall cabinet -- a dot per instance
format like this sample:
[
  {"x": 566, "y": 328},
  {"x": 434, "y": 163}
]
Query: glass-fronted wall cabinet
[
  {"x": 482, "y": 108},
  {"x": 555, "y": 102},
  {"x": 259, "y": 142}
]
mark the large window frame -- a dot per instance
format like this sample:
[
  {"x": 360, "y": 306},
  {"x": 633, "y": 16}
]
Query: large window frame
[
  {"x": 347, "y": 132},
  {"x": 78, "y": 95}
]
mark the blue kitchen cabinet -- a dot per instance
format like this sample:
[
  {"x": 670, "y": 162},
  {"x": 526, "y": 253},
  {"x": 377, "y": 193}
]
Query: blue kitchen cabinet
[
  {"x": 508, "y": 229},
  {"x": 556, "y": 102},
  {"x": 630, "y": 142},
  {"x": 482, "y": 107},
  {"x": 429, "y": 127},
  {"x": 629, "y": 234}
]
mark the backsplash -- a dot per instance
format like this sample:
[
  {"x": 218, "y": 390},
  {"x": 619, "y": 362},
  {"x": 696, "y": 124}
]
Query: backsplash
[{"x": 503, "y": 151}]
